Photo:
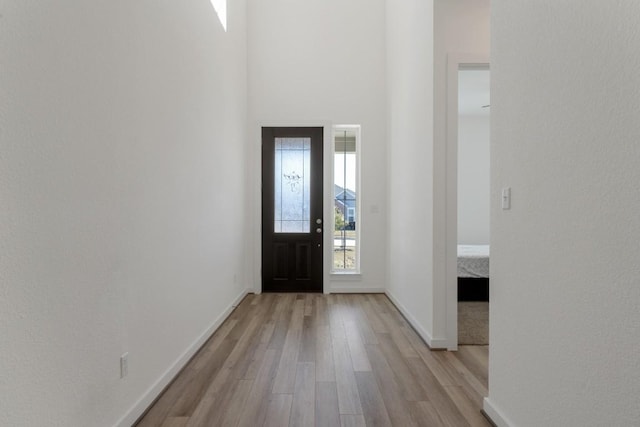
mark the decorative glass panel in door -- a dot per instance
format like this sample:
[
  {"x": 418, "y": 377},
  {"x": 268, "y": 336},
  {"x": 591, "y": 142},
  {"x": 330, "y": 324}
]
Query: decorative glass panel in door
[{"x": 292, "y": 185}]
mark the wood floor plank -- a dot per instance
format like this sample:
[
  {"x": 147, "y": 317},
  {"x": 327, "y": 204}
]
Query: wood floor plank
[
  {"x": 323, "y": 360},
  {"x": 267, "y": 331},
  {"x": 425, "y": 414},
  {"x": 348, "y": 397},
  {"x": 184, "y": 386},
  {"x": 397, "y": 406},
  {"x": 233, "y": 409},
  {"x": 348, "y": 420},
  {"x": 392, "y": 310},
  {"x": 243, "y": 313},
  {"x": 395, "y": 332},
  {"x": 240, "y": 360},
  {"x": 411, "y": 389},
  {"x": 213, "y": 407},
  {"x": 360, "y": 318},
  {"x": 255, "y": 410},
  {"x": 428, "y": 357},
  {"x": 481, "y": 353},
  {"x": 279, "y": 410},
  {"x": 446, "y": 408},
  {"x": 175, "y": 422},
  {"x": 358, "y": 353},
  {"x": 249, "y": 348},
  {"x": 283, "y": 304},
  {"x": 327, "y": 411},
  {"x": 216, "y": 340},
  {"x": 373, "y": 408},
  {"x": 373, "y": 317},
  {"x": 281, "y": 327},
  {"x": 308, "y": 305},
  {"x": 321, "y": 311},
  {"x": 308, "y": 341},
  {"x": 470, "y": 358},
  {"x": 464, "y": 376},
  {"x": 376, "y": 303},
  {"x": 253, "y": 363},
  {"x": 467, "y": 407},
  {"x": 304, "y": 396},
  {"x": 325, "y": 368},
  {"x": 243, "y": 348},
  {"x": 227, "y": 391},
  {"x": 286, "y": 374}
]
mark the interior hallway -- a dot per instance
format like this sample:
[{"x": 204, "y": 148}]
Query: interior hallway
[{"x": 324, "y": 360}]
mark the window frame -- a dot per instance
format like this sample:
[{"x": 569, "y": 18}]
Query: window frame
[{"x": 358, "y": 190}]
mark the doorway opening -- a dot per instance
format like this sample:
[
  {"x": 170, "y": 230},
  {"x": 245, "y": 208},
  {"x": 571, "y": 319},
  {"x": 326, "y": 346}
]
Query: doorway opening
[
  {"x": 473, "y": 196},
  {"x": 467, "y": 172}
]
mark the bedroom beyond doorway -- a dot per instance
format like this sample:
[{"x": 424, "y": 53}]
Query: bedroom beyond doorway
[{"x": 473, "y": 234}]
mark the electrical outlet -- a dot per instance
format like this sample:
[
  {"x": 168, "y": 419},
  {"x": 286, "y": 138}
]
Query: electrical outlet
[{"x": 124, "y": 365}]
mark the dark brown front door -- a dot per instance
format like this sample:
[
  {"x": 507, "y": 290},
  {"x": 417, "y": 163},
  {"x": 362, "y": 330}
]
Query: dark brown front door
[{"x": 292, "y": 222}]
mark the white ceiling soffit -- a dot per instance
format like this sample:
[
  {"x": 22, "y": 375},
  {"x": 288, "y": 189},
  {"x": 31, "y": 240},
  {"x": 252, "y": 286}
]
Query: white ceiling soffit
[{"x": 473, "y": 92}]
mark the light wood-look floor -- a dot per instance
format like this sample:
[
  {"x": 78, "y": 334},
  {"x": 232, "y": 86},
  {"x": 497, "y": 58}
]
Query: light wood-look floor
[{"x": 323, "y": 360}]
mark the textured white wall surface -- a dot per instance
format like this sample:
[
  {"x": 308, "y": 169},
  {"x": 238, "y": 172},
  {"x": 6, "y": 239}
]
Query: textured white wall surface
[
  {"x": 410, "y": 162},
  {"x": 473, "y": 179},
  {"x": 565, "y": 276},
  {"x": 319, "y": 62},
  {"x": 122, "y": 128}
]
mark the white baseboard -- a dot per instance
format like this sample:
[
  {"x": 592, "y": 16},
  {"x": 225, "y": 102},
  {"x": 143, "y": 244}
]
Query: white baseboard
[
  {"x": 494, "y": 414},
  {"x": 348, "y": 290},
  {"x": 154, "y": 391},
  {"x": 434, "y": 344}
]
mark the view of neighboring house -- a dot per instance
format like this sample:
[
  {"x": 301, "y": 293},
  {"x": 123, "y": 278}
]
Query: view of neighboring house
[{"x": 345, "y": 203}]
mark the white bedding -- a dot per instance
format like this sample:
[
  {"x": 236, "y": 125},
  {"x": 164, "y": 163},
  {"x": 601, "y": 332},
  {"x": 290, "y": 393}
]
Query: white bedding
[{"x": 473, "y": 260}]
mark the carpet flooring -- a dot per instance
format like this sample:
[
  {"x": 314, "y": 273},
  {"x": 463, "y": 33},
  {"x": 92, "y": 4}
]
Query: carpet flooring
[{"x": 473, "y": 323}]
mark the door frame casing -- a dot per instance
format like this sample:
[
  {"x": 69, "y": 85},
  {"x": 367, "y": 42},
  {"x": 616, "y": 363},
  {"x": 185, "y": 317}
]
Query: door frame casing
[
  {"x": 255, "y": 239},
  {"x": 454, "y": 62}
]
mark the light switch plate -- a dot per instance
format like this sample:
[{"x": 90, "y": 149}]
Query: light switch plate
[
  {"x": 124, "y": 365},
  {"x": 506, "y": 198}
]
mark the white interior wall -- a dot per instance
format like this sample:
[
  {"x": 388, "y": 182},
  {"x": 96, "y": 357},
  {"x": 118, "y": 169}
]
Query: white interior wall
[
  {"x": 473, "y": 179},
  {"x": 323, "y": 63},
  {"x": 123, "y": 128},
  {"x": 564, "y": 260},
  {"x": 461, "y": 29},
  {"x": 410, "y": 138}
]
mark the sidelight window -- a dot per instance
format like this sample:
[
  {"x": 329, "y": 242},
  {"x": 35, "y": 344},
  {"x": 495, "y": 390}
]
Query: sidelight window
[{"x": 346, "y": 200}]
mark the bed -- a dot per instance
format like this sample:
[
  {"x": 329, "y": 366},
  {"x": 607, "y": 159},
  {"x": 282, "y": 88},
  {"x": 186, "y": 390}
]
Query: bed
[{"x": 473, "y": 272}]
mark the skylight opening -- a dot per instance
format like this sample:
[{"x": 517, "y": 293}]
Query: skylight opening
[{"x": 220, "y": 7}]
